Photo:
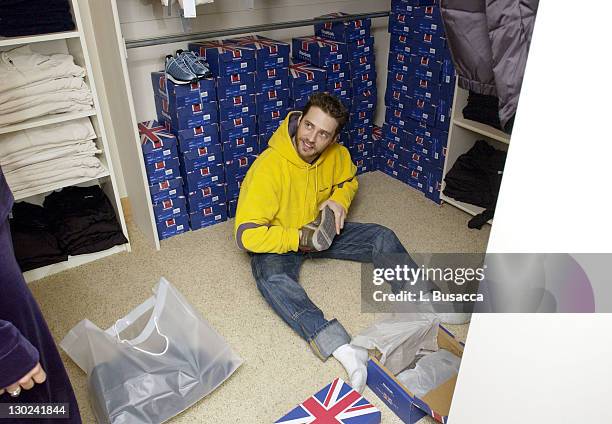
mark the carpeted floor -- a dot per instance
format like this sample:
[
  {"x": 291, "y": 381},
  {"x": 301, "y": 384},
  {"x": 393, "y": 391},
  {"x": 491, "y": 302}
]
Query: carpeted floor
[{"x": 279, "y": 370}]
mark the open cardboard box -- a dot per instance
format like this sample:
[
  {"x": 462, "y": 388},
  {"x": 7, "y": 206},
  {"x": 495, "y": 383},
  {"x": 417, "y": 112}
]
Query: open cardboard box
[{"x": 401, "y": 401}]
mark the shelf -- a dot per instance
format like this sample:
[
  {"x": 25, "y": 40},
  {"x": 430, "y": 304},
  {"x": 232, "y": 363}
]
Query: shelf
[
  {"x": 482, "y": 129},
  {"x": 73, "y": 261},
  {"x": 52, "y": 187},
  {"x": 28, "y": 39},
  {"x": 47, "y": 120},
  {"x": 466, "y": 207}
]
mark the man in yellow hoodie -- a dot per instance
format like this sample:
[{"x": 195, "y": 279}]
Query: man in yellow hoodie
[{"x": 292, "y": 206}]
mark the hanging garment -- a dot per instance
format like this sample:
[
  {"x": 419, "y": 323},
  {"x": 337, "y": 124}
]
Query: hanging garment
[
  {"x": 489, "y": 42},
  {"x": 188, "y": 6},
  {"x": 476, "y": 178},
  {"x": 24, "y": 336}
]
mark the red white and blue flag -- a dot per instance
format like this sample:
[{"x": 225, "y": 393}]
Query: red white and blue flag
[
  {"x": 337, "y": 403},
  {"x": 258, "y": 42},
  {"x": 151, "y": 132},
  {"x": 306, "y": 71},
  {"x": 222, "y": 47}
]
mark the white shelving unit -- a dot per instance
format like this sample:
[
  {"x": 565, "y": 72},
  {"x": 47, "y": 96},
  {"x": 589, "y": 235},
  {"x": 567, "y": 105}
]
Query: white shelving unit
[
  {"x": 76, "y": 44},
  {"x": 462, "y": 135}
]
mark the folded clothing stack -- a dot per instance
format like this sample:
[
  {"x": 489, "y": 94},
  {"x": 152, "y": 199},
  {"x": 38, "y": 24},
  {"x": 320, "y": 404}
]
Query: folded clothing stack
[
  {"x": 482, "y": 108},
  {"x": 35, "y": 85},
  {"x": 38, "y": 159},
  {"x": 32, "y": 17},
  {"x": 33, "y": 239},
  {"x": 83, "y": 220}
]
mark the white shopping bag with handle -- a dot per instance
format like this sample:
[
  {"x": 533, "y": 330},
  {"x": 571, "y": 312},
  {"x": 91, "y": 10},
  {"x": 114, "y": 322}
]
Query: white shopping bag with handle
[{"x": 152, "y": 364}]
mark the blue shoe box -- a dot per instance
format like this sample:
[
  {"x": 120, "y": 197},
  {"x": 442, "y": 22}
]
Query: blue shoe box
[
  {"x": 266, "y": 99},
  {"x": 263, "y": 85},
  {"x": 299, "y": 103},
  {"x": 399, "y": 62},
  {"x": 401, "y": 24},
  {"x": 397, "y": 81},
  {"x": 273, "y": 118},
  {"x": 365, "y": 164},
  {"x": 356, "y": 135},
  {"x": 207, "y": 216},
  {"x": 343, "y": 31},
  {"x": 240, "y": 146},
  {"x": 160, "y": 154},
  {"x": 224, "y": 58},
  {"x": 191, "y": 116},
  {"x": 266, "y": 108},
  {"x": 202, "y": 156},
  {"x": 401, "y": 44},
  {"x": 429, "y": 26},
  {"x": 361, "y": 150},
  {"x": 192, "y": 138},
  {"x": 361, "y": 93},
  {"x": 434, "y": 184},
  {"x": 430, "y": 41},
  {"x": 238, "y": 127},
  {"x": 305, "y": 91},
  {"x": 183, "y": 94},
  {"x": 168, "y": 189},
  {"x": 362, "y": 105},
  {"x": 173, "y": 226},
  {"x": 443, "y": 115},
  {"x": 236, "y": 107},
  {"x": 415, "y": 177},
  {"x": 237, "y": 168},
  {"x": 156, "y": 142},
  {"x": 364, "y": 81},
  {"x": 393, "y": 150},
  {"x": 305, "y": 74},
  {"x": 232, "y": 205},
  {"x": 396, "y": 134},
  {"x": 360, "y": 47},
  {"x": 339, "y": 88},
  {"x": 422, "y": 112},
  {"x": 447, "y": 72},
  {"x": 398, "y": 116},
  {"x": 407, "y": 6},
  {"x": 206, "y": 196},
  {"x": 425, "y": 67},
  {"x": 233, "y": 85},
  {"x": 269, "y": 54},
  {"x": 370, "y": 95},
  {"x": 319, "y": 51},
  {"x": 435, "y": 51},
  {"x": 272, "y": 74},
  {"x": 428, "y": 13},
  {"x": 364, "y": 65},
  {"x": 170, "y": 208},
  {"x": 203, "y": 177},
  {"x": 361, "y": 119},
  {"x": 338, "y": 71},
  {"x": 269, "y": 126},
  {"x": 163, "y": 170},
  {"x": 233, "y": 188}
]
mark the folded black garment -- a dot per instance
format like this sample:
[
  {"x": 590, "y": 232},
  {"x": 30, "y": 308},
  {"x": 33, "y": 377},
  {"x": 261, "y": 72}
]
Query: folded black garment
[
  {"x": 97, "y": 243},
  {"x": 36, "y": 18},
  {"x": 77, "y": 201},
  {"x": 72, "y": 231},
  {"x": 34, "y": 243},
  {"x": 482, "y": 108},
  {"x": 35, "y": 30},
  {"x": 12, "y": 7}
]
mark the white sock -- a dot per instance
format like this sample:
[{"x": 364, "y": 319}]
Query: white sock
[{"x": 354, "y": 360}]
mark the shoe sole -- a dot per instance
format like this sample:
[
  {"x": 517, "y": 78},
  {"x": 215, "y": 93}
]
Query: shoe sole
[
  {"x": 177, "y": 81},
  {"x": 324, "y": 235}
]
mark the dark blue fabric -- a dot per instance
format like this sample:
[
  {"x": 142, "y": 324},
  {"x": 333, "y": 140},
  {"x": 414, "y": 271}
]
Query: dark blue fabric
[{"x": 22, "y": 324}]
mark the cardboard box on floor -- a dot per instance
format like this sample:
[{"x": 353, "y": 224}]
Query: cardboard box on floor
[{"x": 401, "y": 401}]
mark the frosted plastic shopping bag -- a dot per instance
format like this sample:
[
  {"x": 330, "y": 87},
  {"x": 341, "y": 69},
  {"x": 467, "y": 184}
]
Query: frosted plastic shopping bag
[
  {"x": 153, "y": 363},
  {"x": 399, "y": 338},
  {"x": 430, "y": 371}
]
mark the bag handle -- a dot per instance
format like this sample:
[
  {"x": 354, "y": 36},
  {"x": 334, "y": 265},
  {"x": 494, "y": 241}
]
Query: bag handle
[{"x": 140, "y": 349}]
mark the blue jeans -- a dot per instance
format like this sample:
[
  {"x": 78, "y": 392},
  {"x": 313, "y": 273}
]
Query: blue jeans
[{"x": 277, "y": 277}]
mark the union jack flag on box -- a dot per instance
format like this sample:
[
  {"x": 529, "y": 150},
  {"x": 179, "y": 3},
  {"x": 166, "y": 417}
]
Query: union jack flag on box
[
  {"x": 270, "y": 53},
  {"x": 343, "y": 31},
  {"x": 303, "y": 73},
  {"x": 225, "y": 57},
  {"x": 337, "y": 403},
  {"x": 319, "y": 51},
  {"x": 154, "y": 137}
]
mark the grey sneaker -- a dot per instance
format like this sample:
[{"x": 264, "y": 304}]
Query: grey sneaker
[
  {"x": 196, "y": 64},
  {"x": 178, "y": 72},
  {"x": 319, "y": 234}
]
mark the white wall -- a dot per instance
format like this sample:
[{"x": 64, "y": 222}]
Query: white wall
[{"x": 146, "y": 18}]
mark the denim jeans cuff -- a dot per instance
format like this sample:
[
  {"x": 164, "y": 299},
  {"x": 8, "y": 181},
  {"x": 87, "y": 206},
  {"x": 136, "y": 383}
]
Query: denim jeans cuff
[{"x": 328, "y": 338}]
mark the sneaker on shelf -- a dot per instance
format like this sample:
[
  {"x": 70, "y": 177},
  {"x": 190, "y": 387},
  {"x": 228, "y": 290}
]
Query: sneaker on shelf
[
  {"x": 195, "y": 63},
  {"x": 178, "y": 72}
]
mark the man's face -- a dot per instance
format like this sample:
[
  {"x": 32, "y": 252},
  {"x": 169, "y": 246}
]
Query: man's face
[{"x": 315, "y": 132}]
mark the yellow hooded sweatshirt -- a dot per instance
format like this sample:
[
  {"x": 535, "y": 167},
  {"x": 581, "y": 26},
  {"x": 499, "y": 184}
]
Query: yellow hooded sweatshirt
[{"x": 281, "y": 192}]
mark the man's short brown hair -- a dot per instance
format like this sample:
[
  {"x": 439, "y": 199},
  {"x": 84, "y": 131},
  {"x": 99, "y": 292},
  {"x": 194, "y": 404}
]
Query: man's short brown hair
[{"x": 331, "y": 106}]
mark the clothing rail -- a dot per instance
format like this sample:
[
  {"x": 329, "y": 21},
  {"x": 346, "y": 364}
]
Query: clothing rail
[{"x": 154, "y": 41}]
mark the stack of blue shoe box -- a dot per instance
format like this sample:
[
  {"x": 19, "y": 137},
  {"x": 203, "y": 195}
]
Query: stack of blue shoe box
[
  {"x": 420, "y": 87},
  {"x": 190, "y": 112},
  {"x": 359, "y": 68},
  {"x": 305, "y": 79},
  {"x": 161, "y": 159}
]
